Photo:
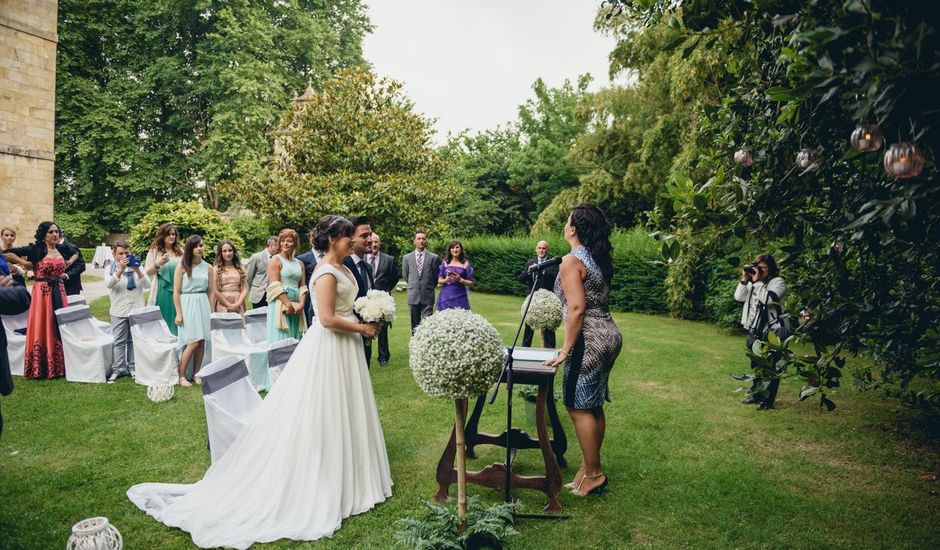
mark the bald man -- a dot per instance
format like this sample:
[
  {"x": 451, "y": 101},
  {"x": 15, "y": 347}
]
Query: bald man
[
  {"x": 385, "y": 270},
  {"x": 546, "y": 281}
]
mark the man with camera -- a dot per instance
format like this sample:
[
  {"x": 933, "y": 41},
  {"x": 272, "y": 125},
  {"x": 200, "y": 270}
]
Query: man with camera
[
  {"x": 126, "y": 284},
  {"x": 762, "y": 290}
]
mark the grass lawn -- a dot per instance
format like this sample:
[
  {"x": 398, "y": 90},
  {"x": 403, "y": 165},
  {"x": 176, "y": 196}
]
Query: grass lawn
[{"x": 689, "y": 465}]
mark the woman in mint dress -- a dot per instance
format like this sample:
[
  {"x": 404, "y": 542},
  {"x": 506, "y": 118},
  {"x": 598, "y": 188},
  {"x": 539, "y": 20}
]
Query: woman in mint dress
[
  {"x": 287, "y": 290},
  {"x": 192, "y": 294},
  {"x": 160, "y": 265}
]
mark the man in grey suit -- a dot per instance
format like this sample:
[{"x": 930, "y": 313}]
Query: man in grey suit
[
  {"x": 385, "y": 277},
  {"x": 419, "y": 269},
  {"x": 256, "y": 273}
]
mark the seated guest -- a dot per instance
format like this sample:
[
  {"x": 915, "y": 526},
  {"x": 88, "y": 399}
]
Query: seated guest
[
  {"x": 127, "y": 284},
  {"x": 256, "y": 273},
  {"x": 13, "y": 301}
]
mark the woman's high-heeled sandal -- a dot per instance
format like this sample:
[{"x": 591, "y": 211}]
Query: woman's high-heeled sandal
[
  {"x": 571, "y": 485},
  {"x": 599, "y": 490}
]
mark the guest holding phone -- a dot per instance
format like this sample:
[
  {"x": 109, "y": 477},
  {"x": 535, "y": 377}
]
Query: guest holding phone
[{"x": 456, "y": 274}]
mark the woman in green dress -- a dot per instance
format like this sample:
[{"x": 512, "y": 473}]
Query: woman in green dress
[
  {"x": 287, "y": 290},
  {"x": 192, "y": 295},
  {"x": 160, "y": 265}
]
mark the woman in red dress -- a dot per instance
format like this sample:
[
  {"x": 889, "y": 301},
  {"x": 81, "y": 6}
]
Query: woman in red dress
[{"x": 44, "y": 357}]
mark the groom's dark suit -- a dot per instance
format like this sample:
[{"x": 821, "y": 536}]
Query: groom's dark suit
[
  {"x": 309, "y": 260},
  {"x": 364, "y": 286}
]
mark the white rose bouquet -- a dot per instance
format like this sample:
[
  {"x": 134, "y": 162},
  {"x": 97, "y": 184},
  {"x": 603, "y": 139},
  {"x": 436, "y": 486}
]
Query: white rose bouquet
[
  {"x": 377, "y": 306},
  {"x": 545, "y": 311}
]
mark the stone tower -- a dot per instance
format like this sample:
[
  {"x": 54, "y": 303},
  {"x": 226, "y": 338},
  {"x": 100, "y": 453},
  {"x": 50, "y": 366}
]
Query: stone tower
[{"x": 27, "y": 113}]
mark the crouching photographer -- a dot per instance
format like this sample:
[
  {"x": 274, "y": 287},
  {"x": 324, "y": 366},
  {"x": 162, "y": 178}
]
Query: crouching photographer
[{"x": 762, "y": 290}]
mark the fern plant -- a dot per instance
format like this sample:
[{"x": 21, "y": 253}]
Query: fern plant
[{"x": 439, "y": 530}]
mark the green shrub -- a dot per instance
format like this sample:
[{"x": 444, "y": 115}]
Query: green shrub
[
  {"x": 80, "y": 228},
  {"x": 254, "y": 231},
  {"x": 638, "y": 277},
  {"x": 88, "y": 254},
  {"x": 190, "y": 218}
]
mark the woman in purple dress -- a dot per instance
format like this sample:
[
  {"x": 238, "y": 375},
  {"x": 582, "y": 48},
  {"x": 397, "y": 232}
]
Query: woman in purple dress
[{"x": 456, "y": 274}]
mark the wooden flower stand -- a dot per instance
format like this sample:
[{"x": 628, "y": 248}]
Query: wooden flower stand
[{"x": 494, "y": 475}]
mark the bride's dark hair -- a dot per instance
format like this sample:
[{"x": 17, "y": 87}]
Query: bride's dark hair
[{"x": 330, "y": 227}]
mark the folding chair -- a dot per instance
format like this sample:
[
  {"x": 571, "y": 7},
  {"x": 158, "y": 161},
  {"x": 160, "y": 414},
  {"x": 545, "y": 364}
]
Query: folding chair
[
  {"x": 229, "y": 338},
  {"x": 15, "y": 328},
  {"x": 155, "y": 353},
  {"x": 278, "y": 356},
  {"x": 88, "y": 350},
  {"x": 230, "y": 400}
]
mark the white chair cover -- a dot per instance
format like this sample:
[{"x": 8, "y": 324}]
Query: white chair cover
[
  {"x": 229, "y": 338},
  {"x": 88, "y": 350},
  {"x": 155, "y": 353},
  {"x": 16, "y": 343},
  {"x": 230, "y": 400},
  {"x": 256, "y": 324},
  {"x": 278, "y": 355},
  {"x": 77, "y": 300}
]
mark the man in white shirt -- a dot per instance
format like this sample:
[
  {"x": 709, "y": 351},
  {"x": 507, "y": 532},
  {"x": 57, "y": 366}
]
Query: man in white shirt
[{"x": 126, "y": 283}]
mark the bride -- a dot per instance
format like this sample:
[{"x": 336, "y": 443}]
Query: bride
[{"x": 314, "y": 454}]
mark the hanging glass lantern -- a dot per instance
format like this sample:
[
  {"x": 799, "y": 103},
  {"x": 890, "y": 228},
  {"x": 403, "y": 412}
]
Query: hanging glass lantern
[
  {"x": 743, "y": 157},
  {"x": 808, "y": 160},
  {"x": 867, "y": 138},
  {"x": 904, "y": 160}
]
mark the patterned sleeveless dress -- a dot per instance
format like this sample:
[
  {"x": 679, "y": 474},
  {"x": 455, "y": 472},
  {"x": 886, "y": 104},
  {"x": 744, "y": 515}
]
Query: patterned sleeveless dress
[{"x": 588, "y": 367}]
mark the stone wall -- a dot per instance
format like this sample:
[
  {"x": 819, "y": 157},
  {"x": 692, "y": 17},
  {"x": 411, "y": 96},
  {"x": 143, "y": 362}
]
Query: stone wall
[{"x": 27, "y": 113}]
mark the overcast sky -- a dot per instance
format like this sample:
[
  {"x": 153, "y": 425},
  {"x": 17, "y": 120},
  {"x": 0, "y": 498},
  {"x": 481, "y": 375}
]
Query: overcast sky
[{"x": 471, "y": 63}]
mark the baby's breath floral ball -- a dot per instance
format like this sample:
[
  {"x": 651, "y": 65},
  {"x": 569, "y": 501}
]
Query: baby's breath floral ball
[
  {"x": 545, "y": 311},
  {"x": 456, "y": 354}
]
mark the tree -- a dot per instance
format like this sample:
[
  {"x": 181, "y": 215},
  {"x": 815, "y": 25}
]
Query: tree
[
  {"x": 481, "y": 163},
  {"x": 355, "y": 147},
  {"x": 859, "y": 247},
  {"x": 548, "y": 126},
  {"x": 161, "y": 100}
]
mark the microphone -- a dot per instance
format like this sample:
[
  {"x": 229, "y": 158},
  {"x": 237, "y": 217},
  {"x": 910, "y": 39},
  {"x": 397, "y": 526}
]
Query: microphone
[{"x": 544, "y": 265}]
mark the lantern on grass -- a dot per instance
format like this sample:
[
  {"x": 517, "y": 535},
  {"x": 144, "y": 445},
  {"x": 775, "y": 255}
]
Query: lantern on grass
[
  {"x": 867, "y": 138},
  {"x": 456, "y": 354},
  {"x": 808, "y": 160},
  {"x": 904, "y": 160},
  {"x": 743, "y": 157},
  {"x": 95, "y": 534},
  {"x": 159, "y": 393}
]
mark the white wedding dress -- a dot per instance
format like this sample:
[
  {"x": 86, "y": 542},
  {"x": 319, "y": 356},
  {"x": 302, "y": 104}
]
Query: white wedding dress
[{"x": 313, "y": 455}]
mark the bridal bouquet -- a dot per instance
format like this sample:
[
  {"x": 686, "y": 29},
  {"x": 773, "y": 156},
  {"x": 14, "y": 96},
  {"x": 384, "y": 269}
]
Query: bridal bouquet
[
  {"x": 377, "y": 306},
  {"x": 456, "y": 354},
  {"x": 545, "y": 311}
]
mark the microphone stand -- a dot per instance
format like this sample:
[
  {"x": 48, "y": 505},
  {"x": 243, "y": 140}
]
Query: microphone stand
[{"x": 507, "y": 375}]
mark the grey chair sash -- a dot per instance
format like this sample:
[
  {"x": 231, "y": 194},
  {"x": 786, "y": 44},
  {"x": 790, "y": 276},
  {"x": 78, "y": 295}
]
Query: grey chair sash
[
  {"x": 214, "y": 382},
  {"x": 279, "y": 356},
  {"x": 226, "y": 324},
  {"x": 261, "y": 317},
  {"x": 65, "y": 317},
  {"x": 146, "y": 317}
]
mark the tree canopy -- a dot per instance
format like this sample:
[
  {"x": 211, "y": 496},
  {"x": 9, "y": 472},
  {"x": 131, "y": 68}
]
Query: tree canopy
[{"x": 161, "y": 100}]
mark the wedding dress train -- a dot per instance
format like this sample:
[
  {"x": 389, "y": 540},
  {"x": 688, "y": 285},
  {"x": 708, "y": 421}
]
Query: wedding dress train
[{"x": 313, "y": 455}]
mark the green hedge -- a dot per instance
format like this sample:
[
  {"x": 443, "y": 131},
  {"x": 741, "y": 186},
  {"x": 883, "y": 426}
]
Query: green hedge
[
  {"x": 638, "y": 283},
  {"x": 88, "y": 254}
]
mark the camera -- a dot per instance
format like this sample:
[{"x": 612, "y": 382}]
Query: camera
[
  {"x": 133, "y": 260},
  {"x": 750, "y": 268}
]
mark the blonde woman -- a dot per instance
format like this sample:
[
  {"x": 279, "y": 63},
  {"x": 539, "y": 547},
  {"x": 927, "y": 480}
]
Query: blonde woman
[{"x": 287, "y": 290}]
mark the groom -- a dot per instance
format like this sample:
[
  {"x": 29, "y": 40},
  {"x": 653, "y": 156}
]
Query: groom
[{"x": 356, "y": 262}]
